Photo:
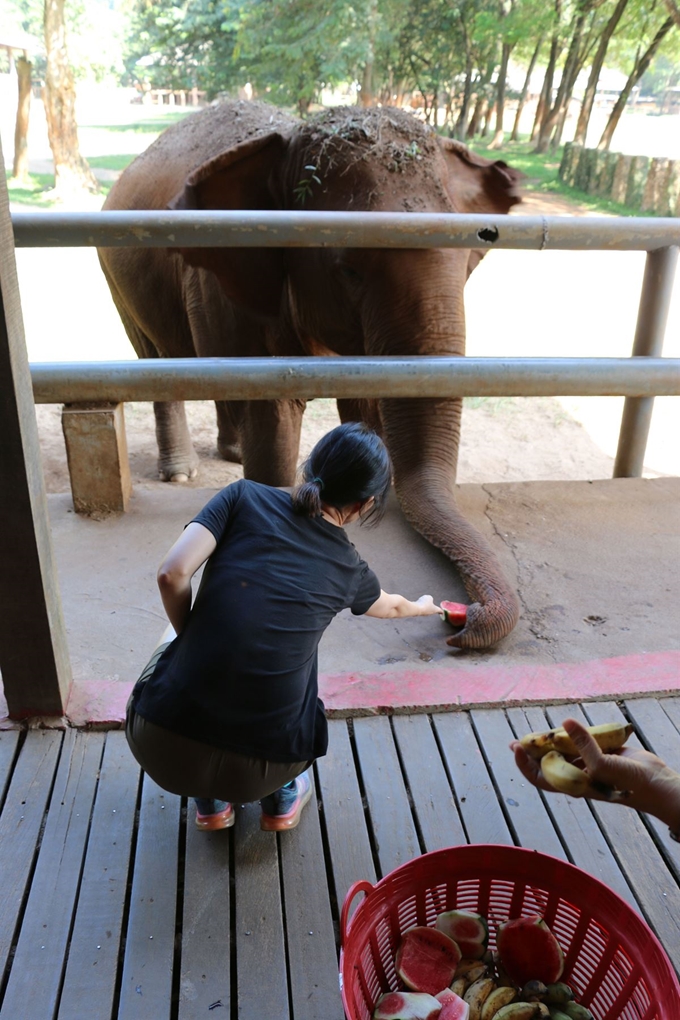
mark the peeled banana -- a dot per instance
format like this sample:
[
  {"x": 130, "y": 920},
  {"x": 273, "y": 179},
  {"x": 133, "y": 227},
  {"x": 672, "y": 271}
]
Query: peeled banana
[{"x": 609, "y": 736}]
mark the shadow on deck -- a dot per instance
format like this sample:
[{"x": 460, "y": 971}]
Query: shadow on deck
[{"x": 113, "y": 905}]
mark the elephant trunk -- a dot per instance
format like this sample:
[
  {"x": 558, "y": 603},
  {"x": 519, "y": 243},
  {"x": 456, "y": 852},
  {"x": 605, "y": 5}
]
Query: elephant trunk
[{"x": 422, "y": 437}]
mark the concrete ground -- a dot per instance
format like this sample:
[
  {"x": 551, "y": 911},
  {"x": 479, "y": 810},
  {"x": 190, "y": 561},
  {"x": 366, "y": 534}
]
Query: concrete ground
[{"x": 595, "y": 565}]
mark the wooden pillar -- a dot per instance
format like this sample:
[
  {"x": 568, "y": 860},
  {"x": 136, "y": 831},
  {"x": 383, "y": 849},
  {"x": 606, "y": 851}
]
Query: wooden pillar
[
  {"x": 96, "y": 450},
  {"x": 34, "y": 660}
]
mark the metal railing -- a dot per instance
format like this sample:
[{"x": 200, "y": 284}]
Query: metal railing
[{"x": 269, "y": 378}]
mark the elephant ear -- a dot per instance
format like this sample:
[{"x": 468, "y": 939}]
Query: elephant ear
[
  {"x": 478, "y": 185},
  {"x": 240, "y": 178}
]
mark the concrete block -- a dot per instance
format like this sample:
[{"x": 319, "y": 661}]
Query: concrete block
[
  {"x": 605, "y": 177},
  {"x": 96, "y": 450},
  {"x": 584, "y": 171},
  {"x": 620, "y": 178},
  {"x": 637, "y": 178},
  {"x": 654, "y": 192},
  {"x": 570, "y": 158}
]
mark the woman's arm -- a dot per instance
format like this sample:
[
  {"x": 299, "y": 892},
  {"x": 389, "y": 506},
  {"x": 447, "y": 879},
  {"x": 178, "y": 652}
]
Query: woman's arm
[
  {"x": 387, "y": 607},
  {"x": 189, "y": 552}
]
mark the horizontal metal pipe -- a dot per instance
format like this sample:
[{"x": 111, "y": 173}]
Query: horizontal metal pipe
[
  {"x": 351, "y": 377},
  {"x": 258, "y": 229}
]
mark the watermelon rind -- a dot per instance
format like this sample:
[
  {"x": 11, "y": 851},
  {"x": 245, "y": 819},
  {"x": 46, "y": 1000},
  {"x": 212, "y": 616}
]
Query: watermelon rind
[
  {"x": 453, "y": 1007},
  {"x": 426, "y": 959},
  {"x": 469, "y": 930},
  {"x": 407, "y": 1006}
]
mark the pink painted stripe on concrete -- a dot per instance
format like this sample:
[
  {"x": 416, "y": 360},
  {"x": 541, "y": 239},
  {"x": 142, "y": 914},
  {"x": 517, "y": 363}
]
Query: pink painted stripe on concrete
[
  {"x": 460, "y": 686},
  {"x": 101, "y": 704}
]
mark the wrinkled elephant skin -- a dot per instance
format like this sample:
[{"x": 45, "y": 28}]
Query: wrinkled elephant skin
[{"x": 233, "y": 302}]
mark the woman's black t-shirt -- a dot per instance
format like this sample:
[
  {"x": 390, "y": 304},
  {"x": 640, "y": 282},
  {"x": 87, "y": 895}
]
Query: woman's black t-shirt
[{"x": 242, "y": 675}]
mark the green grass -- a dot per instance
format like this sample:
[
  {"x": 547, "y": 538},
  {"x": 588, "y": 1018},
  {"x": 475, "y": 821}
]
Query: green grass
[
  {"x": 151, "y": 124},
  {"x": 542, "y": 176},
  {"x": 35, "y": 192}
]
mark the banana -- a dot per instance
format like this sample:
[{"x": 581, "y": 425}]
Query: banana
[
  {"x": 460, "y": 986},
  {"x": 564, "y": 776},
  {"x": 470, "y": 969},
  {"x": 610, "y": 737},
  {"x": 557, "y": 1014},
  {"x": 518, "y": 1011},
  {"x": 533, "y": 991},
  {"x": 544, "y": 1012},
  {"x": 477, "y": 994},
  {"x": 575, "y": 1011},
  {"x": 558, "y": 994},
  {"x": 499, "y": 997}
]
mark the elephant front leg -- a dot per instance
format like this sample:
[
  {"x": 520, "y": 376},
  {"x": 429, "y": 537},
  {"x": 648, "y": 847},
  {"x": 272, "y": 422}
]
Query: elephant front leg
[
  {"x": 177, "y": 459},
  {"x": 361, "y": 410},
  {"x": 228, "y": 438},
  {"x": 270, "y": 440}
]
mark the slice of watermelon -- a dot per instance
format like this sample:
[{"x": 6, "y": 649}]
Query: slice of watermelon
[
  {"x": 426, "y": 960},
  {"x": 453, "y": 1007},
  {"x": 454, "y": 613},
  {"x": 407, "y": 1006},
  {"x": 467, "y": 929},
  {"x": 529, "y": 951}
]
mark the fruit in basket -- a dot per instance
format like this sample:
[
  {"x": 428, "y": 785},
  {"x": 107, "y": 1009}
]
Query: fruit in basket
[
  {"x": 519, "y": 1011},
  {"x": 558, "y": 994},
  {"x": 453, "y": 1006},
  {"x": 529, "y": 951},
  {"x": 470, "y": 969},
  {"x": 477, "y": 994},
  {"x": 499, "y": 997},
  {"x": 407, "y": 1006},
  {"x": 575, "y": 1011},
  {"x": 610, "y": 737},
  {"x": 460, "y": 986},
  {"x": 533, "y": 991},
  {"x": 426, "y": 960},
  {"x": 468, "y": 930}
]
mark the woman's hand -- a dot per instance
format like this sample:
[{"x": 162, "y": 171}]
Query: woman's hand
[
  {"x": 428, "y": 606},
  {"x": 645, "y": 782}
]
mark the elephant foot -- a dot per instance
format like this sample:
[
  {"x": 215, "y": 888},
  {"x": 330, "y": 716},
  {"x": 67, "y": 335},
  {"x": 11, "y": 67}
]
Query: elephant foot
[
  {"x": 180, "y": 473},
  {"x": 230, "y": 452},
  {"x": 180, "y": 478}
]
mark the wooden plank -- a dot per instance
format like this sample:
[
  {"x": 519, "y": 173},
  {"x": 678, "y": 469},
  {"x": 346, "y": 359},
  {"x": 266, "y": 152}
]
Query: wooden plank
[
  {"x": 260, "y": 940},
  {"x": 34, "y": 658},
  {"x": 525, "y": 809},
  {"x": 312, "y": 956},
  {"x": 343, "y": 813},
  {"x": 634, "y": 848},
  {"x": 394, "y": 832},
  {"x": 481, "y": 813},
  {"x": 92, "y": 968},
  {"x": 660, "y": 736},
  {"x": 40, "y": 956},
  {"x": 671, "y": 707},
  {"x": 574, "y": 820},
  {"x": 9, "y": 740},
  {"x": 205, "y": 964},
  {"x": 20, "y": 823},
  {"x": 432, "y": 797},
  {"x": 146, "y": 986}
]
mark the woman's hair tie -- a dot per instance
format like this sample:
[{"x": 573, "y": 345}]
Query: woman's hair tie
[{"x": 319, "y": 482}]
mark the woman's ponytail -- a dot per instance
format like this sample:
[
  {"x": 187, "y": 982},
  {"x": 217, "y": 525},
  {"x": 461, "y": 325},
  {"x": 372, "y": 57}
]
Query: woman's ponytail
[{"x": 307, "y": 498}]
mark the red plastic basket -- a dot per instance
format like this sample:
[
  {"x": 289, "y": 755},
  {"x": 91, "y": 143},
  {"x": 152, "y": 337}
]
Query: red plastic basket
[{"x": 613, "y": 961}]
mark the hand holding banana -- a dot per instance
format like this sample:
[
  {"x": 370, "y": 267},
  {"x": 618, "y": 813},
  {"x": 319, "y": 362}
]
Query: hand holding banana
[{"x": 607, "y": 770}]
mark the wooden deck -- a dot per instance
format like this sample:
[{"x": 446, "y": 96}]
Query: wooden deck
[{"x": 112, "y": 904}]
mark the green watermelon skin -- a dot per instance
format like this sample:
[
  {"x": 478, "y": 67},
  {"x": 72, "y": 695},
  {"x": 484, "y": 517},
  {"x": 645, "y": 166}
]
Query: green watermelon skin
[
  {"x": 426, "y": 960},
  {"x": 529, "y": 951},
  {"x": 407, "y": 1006}
]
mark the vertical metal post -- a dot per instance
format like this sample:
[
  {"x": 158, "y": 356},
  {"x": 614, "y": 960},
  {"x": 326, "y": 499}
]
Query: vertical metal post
[
  {"x": 34, "y": 659},
  {"x": 655, "y": 299}
]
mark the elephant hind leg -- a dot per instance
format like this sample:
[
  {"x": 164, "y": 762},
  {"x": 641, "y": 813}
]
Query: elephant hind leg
[
  {"x": 361, "y": 410},
  {"x": 177, "y": 459},
  {"x": 271, "y": 440},
  {"x": 228, "y": 437}
]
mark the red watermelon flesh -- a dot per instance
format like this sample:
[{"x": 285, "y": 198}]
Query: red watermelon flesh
[
  {"x": 426, "y": 960},
  {"x": 529, "y": 951},
  {"x": 453, "y": 1007},
  {"x": 407, "y": 1006},
  {"x": 468, "y": 930},
  {"x": 455, "y": 613}
]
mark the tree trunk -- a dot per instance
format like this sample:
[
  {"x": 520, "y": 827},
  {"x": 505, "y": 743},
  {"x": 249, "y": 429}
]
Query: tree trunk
[
  {"x": 525, "y": 90},
  {"x": 71, "y": 170},
  {"x": 639, "y": 69},
  {"x": 545, "y": 100},
  {"x": 550, "y": 121},
  {"x": 462, "y": 122},
  {"x": 20, "y": 165},
  {"x": 598, "y": 61},
  {"x": 500, "y": 96},
  {"x": 366, "y": 97}
]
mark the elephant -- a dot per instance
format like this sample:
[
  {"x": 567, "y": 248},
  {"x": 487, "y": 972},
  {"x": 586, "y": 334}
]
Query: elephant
[{"x": 237, "y": 302}]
